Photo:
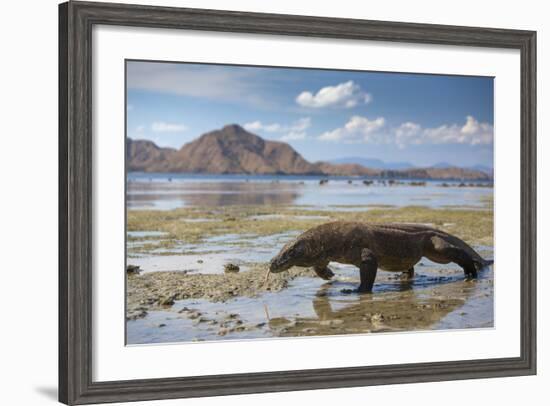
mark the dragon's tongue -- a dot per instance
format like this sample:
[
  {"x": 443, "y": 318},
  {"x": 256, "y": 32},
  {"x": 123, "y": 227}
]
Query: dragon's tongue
[{"x": 267, "y": 277}]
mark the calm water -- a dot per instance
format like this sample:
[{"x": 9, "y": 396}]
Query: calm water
[
  {"x": 312, "y": 302},
  {"x": 170, "y": 191},
  {"x": 308, "y": 304}
]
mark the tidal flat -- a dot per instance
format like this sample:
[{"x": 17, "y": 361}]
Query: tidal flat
[{"x": 182, "y": 292}]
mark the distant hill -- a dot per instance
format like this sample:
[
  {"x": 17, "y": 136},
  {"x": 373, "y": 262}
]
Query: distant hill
[
  {"x": 441, "y": 165},
  {"x": 437, "y": 173},
  {"x": 372, "y": 163},
  {"x": 146, "y": 156},
  {"x": 328, "y": 168},
  {"x": 233, "y": 150},
  {"x": 483, "y": 168}
]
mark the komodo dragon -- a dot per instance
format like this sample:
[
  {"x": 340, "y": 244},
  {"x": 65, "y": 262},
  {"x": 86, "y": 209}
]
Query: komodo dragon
[{"x": 391, "y": 247}]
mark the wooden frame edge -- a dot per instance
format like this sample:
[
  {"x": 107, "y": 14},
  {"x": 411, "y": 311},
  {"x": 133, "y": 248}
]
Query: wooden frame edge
[{"x": 75, "y": 159}]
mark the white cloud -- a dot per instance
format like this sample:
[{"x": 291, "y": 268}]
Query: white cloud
[
  {"x": 294, "y": 131},
  {"x": 407, "y": 133},
  {"x": 472, "y": 132},
  {"x": 476, "y": 132},
  {"x": 357, "y": 129},
  {"x": 163, "y": 127},
  {"x": 347, "y": 95},
  {"x": 362, "y": 129}
]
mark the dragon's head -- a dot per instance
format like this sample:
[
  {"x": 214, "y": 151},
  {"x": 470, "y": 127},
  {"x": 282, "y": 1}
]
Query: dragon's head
[{"x": 295, "y": 253}]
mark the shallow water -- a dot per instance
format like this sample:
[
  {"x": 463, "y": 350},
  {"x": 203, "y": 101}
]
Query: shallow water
[
  {"x": 145, "y": 234},
  {"x": 436, "y": 299},
  {"x": 170, "y": 191},
  {"x": 213, "y": 253}
]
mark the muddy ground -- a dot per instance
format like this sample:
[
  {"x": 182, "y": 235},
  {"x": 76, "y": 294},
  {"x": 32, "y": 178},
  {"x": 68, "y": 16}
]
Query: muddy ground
[{"x": 183, "y": 294}]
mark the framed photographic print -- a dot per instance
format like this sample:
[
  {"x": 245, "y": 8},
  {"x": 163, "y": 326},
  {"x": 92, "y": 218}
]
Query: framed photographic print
[{"x": 259, "y": 202}]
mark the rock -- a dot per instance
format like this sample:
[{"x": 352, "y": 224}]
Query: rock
[
  {"x": 166, "y": 301},
  {"x": 162, "y": 325},
  {"x": 377, "y": 317},
  {"x": 200, "y": 261},
  {"x": 132, "y": 270},
  {"x": 279, "y": 321},
  {"x": 137, "y": 314},
  {"x": 194, "y": 315},
  {"x": 231, "y": 268},
  {"x": 201, "y": 319},
  {"x": 331, "y": 322}
]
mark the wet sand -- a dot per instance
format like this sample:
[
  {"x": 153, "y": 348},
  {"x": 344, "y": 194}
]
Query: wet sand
[
  {"x": 182, "y": 293},
  {"x": 174, "y": 307}
]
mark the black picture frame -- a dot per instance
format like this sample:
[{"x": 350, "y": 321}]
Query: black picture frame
[{"x": 76, "y": 20}]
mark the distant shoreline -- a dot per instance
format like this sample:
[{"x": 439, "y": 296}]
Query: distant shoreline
[{"x": 255, "y": 176}]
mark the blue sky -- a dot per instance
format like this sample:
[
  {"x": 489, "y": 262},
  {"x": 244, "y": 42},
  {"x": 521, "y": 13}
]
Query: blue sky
[{"x": 323, "y": 114}]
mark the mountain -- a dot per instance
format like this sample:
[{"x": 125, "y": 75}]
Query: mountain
[
  {"x": 372, "y": 163},
  {"x": 449, "y": 173},
  {"x": 234, "y": 150},
  {"x": 329, "y": 168},
  {"x": 146, "y": 156},
  {"x": 229, "y": 150},
  {"x": 441, "y": 165},
  {"x": 482, "y": 168}
]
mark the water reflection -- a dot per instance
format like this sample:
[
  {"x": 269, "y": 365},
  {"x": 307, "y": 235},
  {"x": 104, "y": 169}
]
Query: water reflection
[
  {"x": 168, "y": 196},
  {"x": 312, "y": 307},
  {"x": 397, "y": 306},
  {"x": 158, "y": 193}
]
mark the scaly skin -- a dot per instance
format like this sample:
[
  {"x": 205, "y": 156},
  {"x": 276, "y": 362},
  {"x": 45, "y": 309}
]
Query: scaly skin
[{"x": 391, "y": 247}]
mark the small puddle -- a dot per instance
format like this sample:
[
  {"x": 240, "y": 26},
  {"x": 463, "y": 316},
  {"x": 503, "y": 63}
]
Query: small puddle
[
  {"x": 146, "y": 234},
  {"x": 291, "y": 217},
  {"x": 201, "y": 220}
]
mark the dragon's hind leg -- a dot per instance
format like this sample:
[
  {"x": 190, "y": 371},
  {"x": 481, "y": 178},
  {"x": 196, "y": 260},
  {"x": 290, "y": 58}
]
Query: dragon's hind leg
[{"x": 443, "y": 250}]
